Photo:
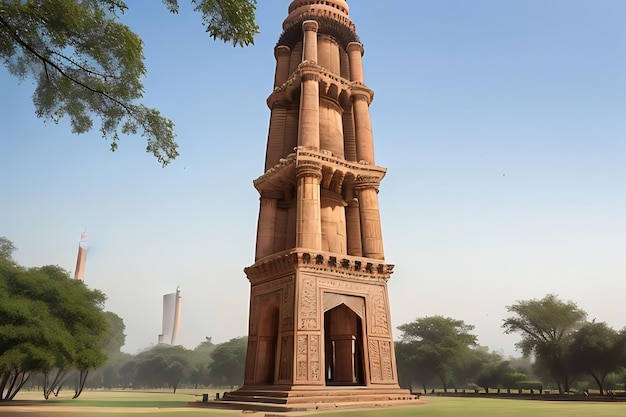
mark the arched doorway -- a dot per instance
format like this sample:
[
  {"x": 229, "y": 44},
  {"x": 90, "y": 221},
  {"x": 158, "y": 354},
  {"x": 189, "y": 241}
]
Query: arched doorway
[
  {"x": 343, "y": 344},
  {"x": 267, "y": 341}
]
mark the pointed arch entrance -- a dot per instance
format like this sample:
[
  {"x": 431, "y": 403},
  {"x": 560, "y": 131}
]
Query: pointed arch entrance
[
  {"x": 343, "y": 339},
  {"x": 267, "y": 339}
]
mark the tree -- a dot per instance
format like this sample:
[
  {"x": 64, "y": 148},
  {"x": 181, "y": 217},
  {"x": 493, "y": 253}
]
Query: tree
[
  {"x": 49, "y": 324},
  {"x": 6, "y": 250},
  {"x": 598, "y": 350},
  {"x": 547, "y": 327},
  {"x": 163, "y": 365},
  {"x": 436, "y": 346},
  {"x": 86, "y": 63},
  {"x": 115, "y": 337},
  {"x": 228, "y": 364},
  {"x": 31, "y": 338},
  {"x": 201, "y": 359}
]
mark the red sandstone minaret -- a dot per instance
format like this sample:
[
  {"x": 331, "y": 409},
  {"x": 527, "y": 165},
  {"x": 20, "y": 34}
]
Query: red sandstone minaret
[
  {"x": 83, "y": 246},
  {"x": 319, "y": 326}
]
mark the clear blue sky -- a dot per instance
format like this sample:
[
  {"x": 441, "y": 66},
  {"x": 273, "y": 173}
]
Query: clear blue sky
[{"x": 502, "y": 124}]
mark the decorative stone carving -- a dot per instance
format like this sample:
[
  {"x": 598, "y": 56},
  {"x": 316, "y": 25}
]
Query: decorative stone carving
[
  {"x": 302, "y": 358},
  {"x": 375, "y": 363},
  {"x": 314, "y": 357},
  {"x": 380, "y": 322},
  {"x": 308, "y": 305}
]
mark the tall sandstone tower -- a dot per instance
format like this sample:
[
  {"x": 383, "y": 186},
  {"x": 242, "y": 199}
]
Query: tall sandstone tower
[{"x": 319, "y": 327}]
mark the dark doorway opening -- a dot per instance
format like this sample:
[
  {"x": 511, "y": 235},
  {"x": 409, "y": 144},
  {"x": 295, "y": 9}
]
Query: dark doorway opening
[
  {"x": 266, "y": 345},
  {"x": 343, "y": 345}
]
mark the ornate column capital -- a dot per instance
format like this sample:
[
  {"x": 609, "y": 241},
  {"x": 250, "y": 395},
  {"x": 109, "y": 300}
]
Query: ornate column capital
[
  {"x": 281, "y": 50},
  {"x": 309, "y": 76},
  {"x": 364, "y": 183},
  {"x": 309, "y": 169},
  {"x": 355, "y": 46},
  {"x": 362, "y": 94},
  {"x": 310, "y": 26}
]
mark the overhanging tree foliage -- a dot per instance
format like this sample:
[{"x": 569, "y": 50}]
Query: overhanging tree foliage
[{"x": 86, "y": 63}]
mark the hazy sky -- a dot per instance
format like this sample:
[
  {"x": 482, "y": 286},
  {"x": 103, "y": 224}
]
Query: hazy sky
[{"x": 502, "y": 124}]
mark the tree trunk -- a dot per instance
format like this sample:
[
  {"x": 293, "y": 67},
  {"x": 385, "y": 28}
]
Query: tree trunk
[
  {"x": 599, "y": 380},
  {"x": 16, "y": 380},
  {"x": 80, "y": 384}
]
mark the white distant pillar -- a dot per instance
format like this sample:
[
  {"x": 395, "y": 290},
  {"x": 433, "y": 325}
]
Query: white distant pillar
[
  {"x": 83, "y": 246},
  {"x": 172, "y": 312},
  {"x": 177, "y": 316}
]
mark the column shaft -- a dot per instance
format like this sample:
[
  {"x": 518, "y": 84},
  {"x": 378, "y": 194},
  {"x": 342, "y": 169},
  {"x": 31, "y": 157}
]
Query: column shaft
[
  {"x": 309, "y": 52},
  {"x": 353, "y": 228},
  {"x": 282, "y": 54},
  {"x": 308, "y": 217},
  {"x": 355, "y": 54},
  {"x": 371, "y": 230},
  {"x": 363, "y": 129},
  {"x": 309, "y": 126},
  {"x": 266, "y": 228}
]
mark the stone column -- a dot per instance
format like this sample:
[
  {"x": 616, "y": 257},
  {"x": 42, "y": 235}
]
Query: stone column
[
  {"x": 371, "y": 231},
  {"x": 363, "y": 127},
  {"x": 353, "y": 228},
  {"x": 309, "y": 52},
  {"x": 266, "y": 228},
  {"x": 309, "y": 126},
  {"x": 308, "y": 216},
  {"x": 282, "y": 54},
  {"x": 355, "y": 55}
]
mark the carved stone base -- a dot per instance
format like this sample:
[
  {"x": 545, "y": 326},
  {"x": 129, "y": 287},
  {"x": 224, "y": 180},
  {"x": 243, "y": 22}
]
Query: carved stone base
[{"x": 307, "y": 399}]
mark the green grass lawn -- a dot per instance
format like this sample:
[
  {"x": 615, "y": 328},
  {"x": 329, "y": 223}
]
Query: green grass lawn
[{"x": 162, "y": 404}]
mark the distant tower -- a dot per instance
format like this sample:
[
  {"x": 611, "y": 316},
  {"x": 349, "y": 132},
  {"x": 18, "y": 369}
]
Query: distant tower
[
  {"x": 172, "y": 307},
  {"x": 83, "y": 246},
  {"x": 319, "y": 326}
]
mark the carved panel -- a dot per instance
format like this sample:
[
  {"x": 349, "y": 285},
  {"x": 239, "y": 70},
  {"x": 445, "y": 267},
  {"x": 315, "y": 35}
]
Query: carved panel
[
  {"x": 345, "y": 285},
  {"x": 288, "y": 304},
  {"x": 385, "y": 358},
  {"x": 380, "y": 321},
  {"x": 314, "y": 352},
  {"x": 308, "y": 305},
  {"x": 381, "y": 365},
  {"x": 302, "y": 358},
  {"x": 375, "y": 365}
]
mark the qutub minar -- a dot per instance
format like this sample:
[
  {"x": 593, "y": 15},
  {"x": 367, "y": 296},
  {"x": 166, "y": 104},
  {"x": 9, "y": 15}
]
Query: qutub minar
[{"x": 319, "y": 327}]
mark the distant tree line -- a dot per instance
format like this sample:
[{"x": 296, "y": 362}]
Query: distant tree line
[
  {"x": 561, "y": 350},
  {"x": 172, "y": 367}
]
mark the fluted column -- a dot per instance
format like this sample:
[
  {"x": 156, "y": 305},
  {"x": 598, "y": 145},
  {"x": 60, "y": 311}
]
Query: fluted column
[
  {"x": 282, "y": 54},
  {"x": 266, "y": 228},
  {"x": 309, "y": 125},
  {"x": 308, "y": 216},
  {"x": 353, "y": 228},
  {"x": 371, "y": 231},
  {"x": 355, "y": 55},
  {"x": 363, "y": 127},
  {"x": 309, "y": 52}
]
